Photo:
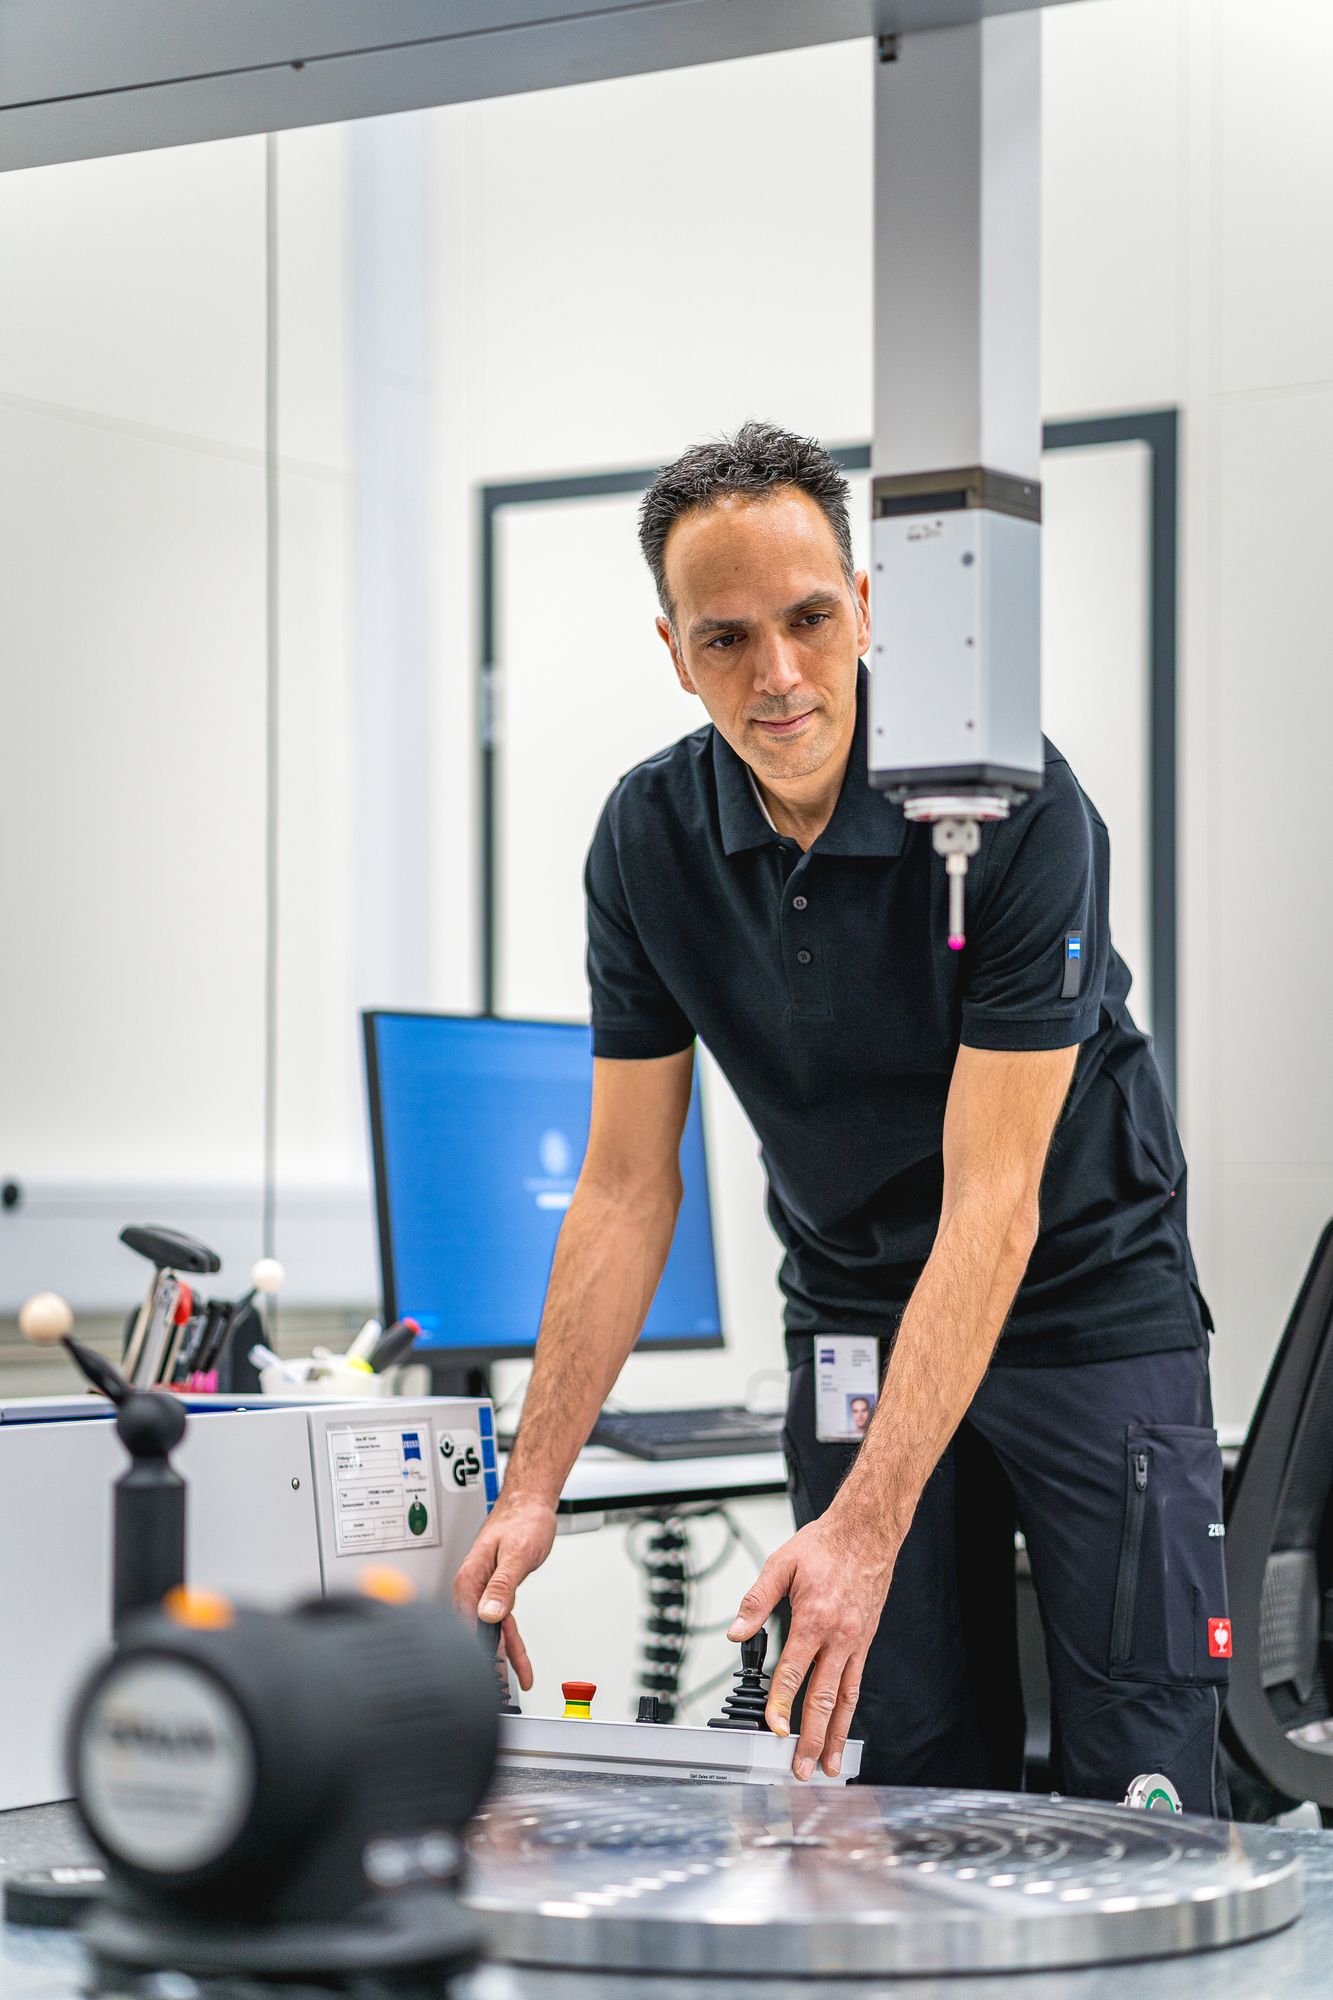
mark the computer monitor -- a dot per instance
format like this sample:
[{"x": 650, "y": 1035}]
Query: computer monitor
[{"x": 478, "y": 1130}]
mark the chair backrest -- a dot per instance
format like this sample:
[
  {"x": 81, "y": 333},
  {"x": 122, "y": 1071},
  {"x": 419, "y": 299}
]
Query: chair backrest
[{"x": 1280, "y": 1559}]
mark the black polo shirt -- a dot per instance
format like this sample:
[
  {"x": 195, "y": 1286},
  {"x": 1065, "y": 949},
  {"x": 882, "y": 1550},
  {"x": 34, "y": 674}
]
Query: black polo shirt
[{"x": 824, "y": 986}]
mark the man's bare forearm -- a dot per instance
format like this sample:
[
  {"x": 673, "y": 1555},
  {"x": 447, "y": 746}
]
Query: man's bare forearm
[
  {"x": 609, "y": 1258},
  {"x": 944, "y": 1345}
]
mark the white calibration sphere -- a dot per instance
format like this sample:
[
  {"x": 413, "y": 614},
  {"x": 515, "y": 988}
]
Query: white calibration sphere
[
  {"x": 45, "y": 1318},
  {"x": 267, "y": 1275}
]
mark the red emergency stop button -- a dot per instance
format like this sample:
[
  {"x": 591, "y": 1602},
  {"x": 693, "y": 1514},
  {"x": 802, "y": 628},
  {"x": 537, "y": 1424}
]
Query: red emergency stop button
[{"x": 578, "y": 1699}]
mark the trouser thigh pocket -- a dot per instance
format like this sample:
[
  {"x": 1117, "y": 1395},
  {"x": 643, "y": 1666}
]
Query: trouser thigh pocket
[{"x": 1169, "y": 1618}]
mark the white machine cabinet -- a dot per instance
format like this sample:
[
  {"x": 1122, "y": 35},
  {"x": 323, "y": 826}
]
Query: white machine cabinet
[{"x": 284, "y": 1501}]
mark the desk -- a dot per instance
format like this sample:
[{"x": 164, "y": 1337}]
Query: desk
[{"x": 607, "y": 1485}]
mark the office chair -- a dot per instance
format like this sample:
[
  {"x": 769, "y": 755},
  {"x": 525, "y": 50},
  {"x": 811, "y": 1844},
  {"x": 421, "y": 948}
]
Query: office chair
[{"x": 1277, "y": 1726}]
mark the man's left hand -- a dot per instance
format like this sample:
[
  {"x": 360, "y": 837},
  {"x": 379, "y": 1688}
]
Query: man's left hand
[{"x": 837, "y": 1580}]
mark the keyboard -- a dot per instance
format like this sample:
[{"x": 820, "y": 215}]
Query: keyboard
[{"x": 718, "y": 1433}]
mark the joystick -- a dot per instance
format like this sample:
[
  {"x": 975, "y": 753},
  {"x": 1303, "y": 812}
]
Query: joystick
[
  {"x": 744, "y": 1706},
  {"x": 489, "y": 1636}
]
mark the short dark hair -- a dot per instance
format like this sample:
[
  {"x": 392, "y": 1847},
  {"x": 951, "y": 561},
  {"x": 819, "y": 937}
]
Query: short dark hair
[{"x": 757, "y": 461}]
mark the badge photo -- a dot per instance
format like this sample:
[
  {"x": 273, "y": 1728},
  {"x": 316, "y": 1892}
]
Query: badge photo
[{"x": 846, "y": 1387}]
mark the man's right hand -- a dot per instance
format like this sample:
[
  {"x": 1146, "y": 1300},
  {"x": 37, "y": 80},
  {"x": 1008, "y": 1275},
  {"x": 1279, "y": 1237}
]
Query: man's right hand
[{"x": 516, "y": 1540}]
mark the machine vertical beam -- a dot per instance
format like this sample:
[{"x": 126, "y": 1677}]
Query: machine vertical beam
[
  {"x": 957, "y": 249},
  {"x": 955, "y": 726}
]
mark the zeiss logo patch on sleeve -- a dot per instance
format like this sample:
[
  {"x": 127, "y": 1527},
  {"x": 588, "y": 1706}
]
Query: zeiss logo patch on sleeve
[{"x": 1073, "y": 978}]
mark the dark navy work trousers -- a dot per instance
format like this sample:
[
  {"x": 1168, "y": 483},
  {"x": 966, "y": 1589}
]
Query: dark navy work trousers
[{"x": 1112, "y": 1472}]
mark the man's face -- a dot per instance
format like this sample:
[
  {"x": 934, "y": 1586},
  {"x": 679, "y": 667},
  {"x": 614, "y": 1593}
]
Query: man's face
[
  {"x": 860, "y": 1412},
  {"x": 767, "y": 629}
]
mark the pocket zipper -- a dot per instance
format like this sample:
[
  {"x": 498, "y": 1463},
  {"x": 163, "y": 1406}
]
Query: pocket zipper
[{"x": 1127, "y": 1584}]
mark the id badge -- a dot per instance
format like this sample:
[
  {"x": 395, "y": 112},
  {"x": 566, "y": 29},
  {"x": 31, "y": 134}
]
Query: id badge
[{"x": 846, "y": 1387}]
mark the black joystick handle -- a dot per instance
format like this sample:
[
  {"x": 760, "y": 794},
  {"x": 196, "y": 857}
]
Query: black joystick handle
[
  {"x": 755, "y": 1651},
  {"x": 744, "y": 1706},
  {"x": 489, "y": 1635}
]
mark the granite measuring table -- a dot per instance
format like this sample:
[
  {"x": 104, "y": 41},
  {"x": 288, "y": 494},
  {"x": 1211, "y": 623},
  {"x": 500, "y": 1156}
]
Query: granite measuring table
[{"x": 1296, "y": 1961}]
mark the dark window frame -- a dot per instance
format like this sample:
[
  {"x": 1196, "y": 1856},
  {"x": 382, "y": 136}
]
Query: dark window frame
[{"x": 1159, "y": 430}]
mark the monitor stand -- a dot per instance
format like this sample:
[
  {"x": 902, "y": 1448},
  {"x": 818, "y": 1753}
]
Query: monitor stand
[{"x": 454, "y": 1378}]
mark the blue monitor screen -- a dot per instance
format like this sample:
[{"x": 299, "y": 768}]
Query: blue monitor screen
[{"x": 479, "y": 1128}]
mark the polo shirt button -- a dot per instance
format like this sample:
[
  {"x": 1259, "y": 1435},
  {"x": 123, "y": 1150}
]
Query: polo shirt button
[
  {"x": 804, "y": 957},
  {"x": 798, "y": 902}
]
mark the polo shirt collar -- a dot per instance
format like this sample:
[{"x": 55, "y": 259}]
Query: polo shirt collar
[{"x": 864, "y": 822}]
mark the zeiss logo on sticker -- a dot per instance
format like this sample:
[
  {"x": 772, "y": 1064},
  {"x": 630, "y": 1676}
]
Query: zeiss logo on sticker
[
  {"x": 1074, "y": 945},
  {"x": 826, "y": 1357}
]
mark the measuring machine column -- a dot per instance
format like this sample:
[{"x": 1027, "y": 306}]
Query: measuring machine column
[{"x": 956, "y": 579}]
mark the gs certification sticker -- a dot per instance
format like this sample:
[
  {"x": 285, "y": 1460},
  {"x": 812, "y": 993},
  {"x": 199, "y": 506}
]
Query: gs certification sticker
[{"x": 460, "y": 1460}]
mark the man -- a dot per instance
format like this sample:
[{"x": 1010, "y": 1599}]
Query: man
[
  {"x": 1040, "y": 1361},
  {"x": 859, "y": 1411}
]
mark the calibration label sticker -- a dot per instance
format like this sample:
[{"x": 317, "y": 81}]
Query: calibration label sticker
[{"x": 382, "y": 1496}]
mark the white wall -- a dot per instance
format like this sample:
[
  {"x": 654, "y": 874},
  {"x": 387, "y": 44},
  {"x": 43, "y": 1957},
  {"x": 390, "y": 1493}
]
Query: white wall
[
  {"x": 131, "y": 647},
  {"x": 131, "y": 682},
  {"x": 616, "y": 270}
]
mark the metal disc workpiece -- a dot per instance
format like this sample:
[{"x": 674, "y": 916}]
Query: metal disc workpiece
[{"x": 766, "y": 1879}]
